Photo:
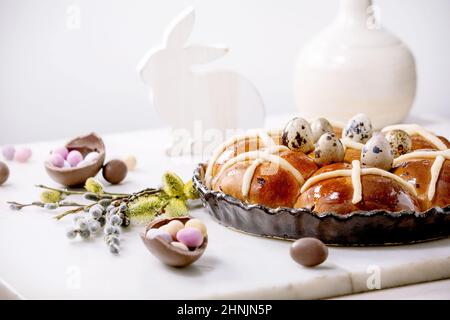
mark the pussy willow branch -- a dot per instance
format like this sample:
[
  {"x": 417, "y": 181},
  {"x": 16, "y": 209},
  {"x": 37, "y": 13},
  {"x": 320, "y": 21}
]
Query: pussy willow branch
[
  {"x": 68, "y": 191},
  {"x": 73, "y": 211},
  {"x": 126, "y": 198},
  {"x": 42, "y": 204}
]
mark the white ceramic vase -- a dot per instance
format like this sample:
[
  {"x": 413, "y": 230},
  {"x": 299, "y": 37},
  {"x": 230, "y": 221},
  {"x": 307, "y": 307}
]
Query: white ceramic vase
[{"x": 355, "y": 66}]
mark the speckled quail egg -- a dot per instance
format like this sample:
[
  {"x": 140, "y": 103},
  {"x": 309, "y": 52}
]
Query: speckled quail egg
[
  {"x": 377, "y": 152},
  {"x": 400, "y": 142},
  {"x": 297, "y": 135},
  {"x": 358, "y": 128},
  {"x": 328, "y": 150},
  {"x": 319, "y": 127}
]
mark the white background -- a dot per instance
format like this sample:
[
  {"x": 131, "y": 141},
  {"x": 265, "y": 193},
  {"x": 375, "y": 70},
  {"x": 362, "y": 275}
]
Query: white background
[{"x": 57, "y": 82}]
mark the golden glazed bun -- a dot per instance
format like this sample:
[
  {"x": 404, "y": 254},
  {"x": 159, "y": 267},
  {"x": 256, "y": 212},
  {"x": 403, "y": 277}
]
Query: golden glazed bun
[
  {"x": 271, "y": 185},
  {"x": 335, "y": 194},
  {"x": 419, "y": 142},
  {"x": 418, "y": 173}
]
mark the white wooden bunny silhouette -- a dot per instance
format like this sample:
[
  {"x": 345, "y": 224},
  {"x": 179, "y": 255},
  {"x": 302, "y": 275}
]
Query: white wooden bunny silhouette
[{"x": 220, "y": 100}]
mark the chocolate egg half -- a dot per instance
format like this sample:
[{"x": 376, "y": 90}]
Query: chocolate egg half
[
  {"x": 168, "y": 253},
  {"x": 77, "y": 176}
]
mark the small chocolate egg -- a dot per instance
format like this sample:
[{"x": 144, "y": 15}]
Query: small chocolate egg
[
  {"x": 297, "y": 135},
  {"x": 328, "y": 149},
  {"x": 400, "y": 142},
  {"x": 309, "y": 252},
  {"x": 358, "y": 128},
  {"x": 4, "y": 172},
  {"x": 377, "y": 152},
  {"x": 115, "y": 171},
  {"x": 319, "y": 127}
]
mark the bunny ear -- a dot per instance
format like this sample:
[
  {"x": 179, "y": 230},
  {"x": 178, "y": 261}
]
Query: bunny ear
[
  {"x": 179, "y": 30},
  {"x": 196, "y": 54}
]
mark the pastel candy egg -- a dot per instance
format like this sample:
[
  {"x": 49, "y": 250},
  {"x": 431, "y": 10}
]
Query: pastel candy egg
[
  {"x": 358, "y": 128},
  {"x": 130, "y": 162},
  {"x": 8, "y": 152},
  {"x": 180, "y": 245},
  {"x": 82, "y": 163},
  {"x": 198, "y": 224},
  {"x": 191, "y": 237},
  {"x": 91, "y": 156},
  {"x": 153, "y": 233},
  {"x": 173, "y": 227},
  {"x": 329, "y": 149},
  {"x": 66, "y": 164},
  {"x": 74, "y": 157},
  {"x": 62, "y": 151},
  {"x": 377, "y": 152},
  {"x": 319, "y": 127},
  {"x": 297, "y": 135},
  {"x": 22, "y": 154},
  {"x": 57, "y": 160}
]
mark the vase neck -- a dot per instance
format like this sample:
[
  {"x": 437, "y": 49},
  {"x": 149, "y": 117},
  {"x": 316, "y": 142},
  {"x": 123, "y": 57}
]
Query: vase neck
[{"x": 354, "y": 11}]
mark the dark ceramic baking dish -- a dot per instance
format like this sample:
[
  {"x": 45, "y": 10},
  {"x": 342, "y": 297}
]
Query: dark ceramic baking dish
[{"x": 361, "y": 228}]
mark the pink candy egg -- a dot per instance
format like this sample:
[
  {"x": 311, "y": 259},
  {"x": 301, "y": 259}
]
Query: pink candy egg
[
  {"x": 62, "y": 151},
  {"x": 191, "y": 237},
  {"x": 153, "y": 233},
  {"x": 8, "y": 152},
  {"x": 74, "y": 157},
  {"x": 57, "y": 160},
  {"x": 22, "y": 154}
]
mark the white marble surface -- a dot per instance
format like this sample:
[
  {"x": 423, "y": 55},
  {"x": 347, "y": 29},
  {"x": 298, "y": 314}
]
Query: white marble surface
[
  {"x": 435, "y": 290},
  {"x": 37, "y": 261}
]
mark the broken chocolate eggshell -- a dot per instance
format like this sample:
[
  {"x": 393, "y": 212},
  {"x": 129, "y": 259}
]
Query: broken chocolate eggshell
[
  {"x": 77, "y": 176},
  {"x": 168, "y": 253}
]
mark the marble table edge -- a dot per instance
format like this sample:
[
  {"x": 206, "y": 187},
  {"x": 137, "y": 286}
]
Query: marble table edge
[
  {"x": 350, "y": 283},
  {"x": 7, "y": 292}
]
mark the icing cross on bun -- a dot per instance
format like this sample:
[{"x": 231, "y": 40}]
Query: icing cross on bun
[
  {"x": 343, "y": 188},
  {"x": 355, "y": 173},
  {"x": 266, "y": 140},
  {"x": 429, "y": 172},
  {"x": 310, "y": 165},
  {"x": 264, "y": 172}
]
